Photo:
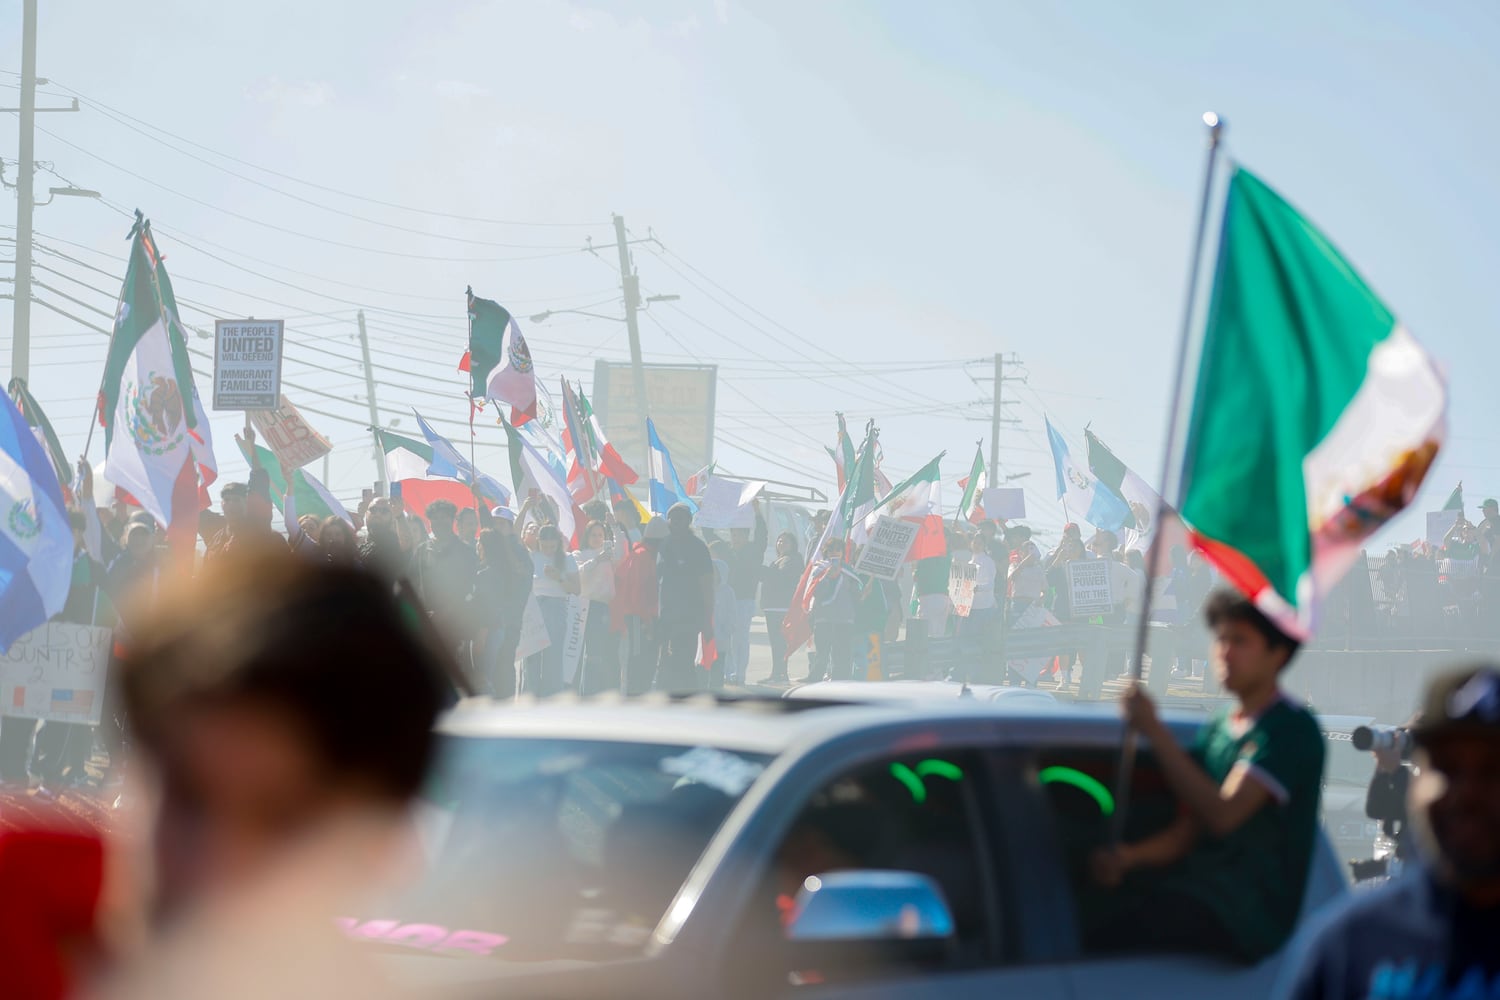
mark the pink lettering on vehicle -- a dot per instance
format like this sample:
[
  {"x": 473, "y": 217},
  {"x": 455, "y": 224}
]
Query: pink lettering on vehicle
[{"x": 424, "y": 937}]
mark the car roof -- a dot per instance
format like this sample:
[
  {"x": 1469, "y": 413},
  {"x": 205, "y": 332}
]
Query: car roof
[
  {"x": 773, "y": 725},
  {"x": 918, "y": 691}
]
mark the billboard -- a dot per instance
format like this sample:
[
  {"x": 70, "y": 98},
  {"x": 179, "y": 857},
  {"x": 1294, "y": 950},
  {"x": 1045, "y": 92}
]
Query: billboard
[{"x": 680, "y": 401}]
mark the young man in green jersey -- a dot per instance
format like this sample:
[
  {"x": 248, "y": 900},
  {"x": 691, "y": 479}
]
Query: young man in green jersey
[{"x": 1227, "y": 875}]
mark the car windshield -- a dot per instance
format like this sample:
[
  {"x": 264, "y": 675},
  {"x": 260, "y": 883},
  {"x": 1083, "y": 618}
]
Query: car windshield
[{"x": 558, "y": 849}]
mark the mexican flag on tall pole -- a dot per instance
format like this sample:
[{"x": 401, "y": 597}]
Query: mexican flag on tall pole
[
  {"x": 973, "y": 485},
  {"x": 498, "y": 360},
  {"x": 157, "y": 444},
  {"x": 1316, "y": 415},
  {"x": 918, "y": 499}
]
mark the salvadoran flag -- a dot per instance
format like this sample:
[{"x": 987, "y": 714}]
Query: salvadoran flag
[
  {"x": 666, "y": 488},
  {"x": 36, "y": 540}
]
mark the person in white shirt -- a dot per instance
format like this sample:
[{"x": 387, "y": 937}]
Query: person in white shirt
[
  {"x": 596, "y": 584},
  {"x": 556, "y": 578},
  {"x": 982, "y": 613}
]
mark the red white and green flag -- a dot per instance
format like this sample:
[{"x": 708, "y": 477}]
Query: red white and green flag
[
  {"x": 918, "y": 499},
  {"x": 842, "y": 454},
  {"x": 498, "y": 360},
  {"x": 157, "y": 443},
  {"x": 973, "y": 485},
  {"x": 1316, "y": 415}
]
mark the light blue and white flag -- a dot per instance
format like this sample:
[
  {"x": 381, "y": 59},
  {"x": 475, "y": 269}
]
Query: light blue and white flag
[
  {"x": 666, "y": 488},
  {"x": 1082, "y": 495},
  {"x": 449, "y": 464},
  {"x": 36, "y": 541}
]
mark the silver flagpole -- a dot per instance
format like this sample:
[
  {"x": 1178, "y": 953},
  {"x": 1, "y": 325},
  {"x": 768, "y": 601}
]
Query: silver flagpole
[{"x": 1128, "y": 748}]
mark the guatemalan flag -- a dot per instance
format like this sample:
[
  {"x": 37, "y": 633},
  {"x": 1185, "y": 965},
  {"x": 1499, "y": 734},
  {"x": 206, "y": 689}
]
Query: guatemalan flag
[
  {"x": 36, "y": 541},
  {"x": 1082, "y": 495},
  {"x": 666, "y": 488}
]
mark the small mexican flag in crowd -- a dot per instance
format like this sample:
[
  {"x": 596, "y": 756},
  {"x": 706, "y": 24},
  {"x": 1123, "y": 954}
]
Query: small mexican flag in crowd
[{"x": 1316, "y": 415}]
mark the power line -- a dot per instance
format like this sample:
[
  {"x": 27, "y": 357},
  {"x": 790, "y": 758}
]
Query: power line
[{"x": 104, "y": 108}]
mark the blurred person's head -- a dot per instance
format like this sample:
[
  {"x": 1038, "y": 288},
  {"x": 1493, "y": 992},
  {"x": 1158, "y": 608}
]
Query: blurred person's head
[
  {"x": 468, "y": 523},
  {"x": 237, "y": 685},
  {"x": 626, "y": 514},
  {"x": 1136, "y": 560},
  {"x": 529, "y": 535},
  {"x": 596, "y": 510},
  {"x": 139, "y": 538},
  {"x": 1072, "y": 530},
  {"x": 310, "y": 525},
  {"x": 593, "y": 535},
  {"x": 1249, "y": 651},
  {"x": 833, "y": 549},
  {"x": 786, "y": 544},
  {"x": 492, "y": 542},
  {"x": 680, "y": 519},
  {"x": 1104, "y": 543},
  {"x": 721, "y": 550},
  {"x": 656, "y": 531},
  {"x": 979, "y": 542},
  {"x": 1490, "y": 508},
  {"x": 1454, "y": 799},
  {"x": 337, "y": 539},
  {"x": 234, "y": 500},
  {"x": 549, "y": 543},
  {"x": 379, "y": 514},
  {"x": 441, "y": 515}
]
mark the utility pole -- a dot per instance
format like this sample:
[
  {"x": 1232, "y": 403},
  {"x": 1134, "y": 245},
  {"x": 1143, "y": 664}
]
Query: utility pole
[
  {"x": 630, "y": 283},
  {"x": 995, "y": 419},
  {"x": 364, "y": 350},
  {"x": 20, "y": 347}
]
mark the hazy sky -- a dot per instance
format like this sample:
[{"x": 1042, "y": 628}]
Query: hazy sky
[{"x": 892, "y": 188}]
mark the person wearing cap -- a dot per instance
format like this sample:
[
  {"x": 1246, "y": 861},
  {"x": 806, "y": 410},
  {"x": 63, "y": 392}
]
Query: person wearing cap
[
  {"x": 686, "y": 574},
  {"x": 1435, "y": 932},
  {"x": 1228, "y": 874}
]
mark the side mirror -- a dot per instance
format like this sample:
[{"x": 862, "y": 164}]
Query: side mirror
[{"x": 870, "y": 919}]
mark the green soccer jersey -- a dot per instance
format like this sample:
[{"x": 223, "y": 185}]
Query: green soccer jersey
[{"x": 1255, "y": 876}]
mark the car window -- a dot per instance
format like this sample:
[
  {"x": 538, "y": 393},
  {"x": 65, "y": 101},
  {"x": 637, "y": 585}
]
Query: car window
[
  {"x": 917, "y": 813},
  {"x": 1078, "y": 786},
  {"x": 564, "y": 848}
]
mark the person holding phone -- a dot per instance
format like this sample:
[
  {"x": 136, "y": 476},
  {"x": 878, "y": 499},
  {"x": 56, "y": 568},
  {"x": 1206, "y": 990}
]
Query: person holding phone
[{"x": 555, "y": 577}]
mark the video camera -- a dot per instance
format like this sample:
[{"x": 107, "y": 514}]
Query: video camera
[{"x": 1382, "y": 738}]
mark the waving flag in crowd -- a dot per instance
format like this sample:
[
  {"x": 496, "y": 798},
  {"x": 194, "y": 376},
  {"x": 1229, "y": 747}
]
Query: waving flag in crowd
[
  {"x": 406, "y": 463},
  {"x": 918, "y": 499},
  {"x": 448, "y": 463},
  {"x": 531, "y": 474},
  {"x": 607, "y": 459},
  {"x": 498, "y": 360},
  {"x": 157, "y": 445},
  {"x": 36, "y": 540},
  {"x": 973, "y": 485},
  {"x": 1080, "y": 492},
  {"x": 1316, "y": 415},
  {"x": 308, "y": 494},
  {"x": 1144, "y": 502},
  {"x": 578, "y": 446},
  {"x": 41, "y": 428},
  {"x": 843, "y": 458},
  {"x": 666, "y": 488}
]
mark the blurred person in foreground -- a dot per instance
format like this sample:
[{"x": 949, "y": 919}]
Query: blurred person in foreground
[
  {"x": 1435, "y": 932},
  {"x": 1227, "y": 876},
  {"x": 284, "y": 712}
]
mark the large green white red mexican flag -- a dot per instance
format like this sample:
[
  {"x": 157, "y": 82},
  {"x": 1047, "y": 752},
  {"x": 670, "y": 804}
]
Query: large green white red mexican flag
[
  {"x": 157, "y": 444},
  {"x": 1316, "y": 415}
]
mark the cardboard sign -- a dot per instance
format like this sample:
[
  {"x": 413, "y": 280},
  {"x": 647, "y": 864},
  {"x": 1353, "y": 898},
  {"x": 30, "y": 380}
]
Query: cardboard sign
[
  {"x": 534, "y": 636},
  {"x": 1089, "y": 588},
  {"x": 1003, "y": 503},
  {"x": 247, "y": 363},
  {"x": 290, "y": 438},
  {"x": 727, "y": 503},
  {"x": 887, "y": 547},
  {"x": 961, "y": 580},
  {"x": 575, "y": 621},
  {"x": 56, "y": 672}
]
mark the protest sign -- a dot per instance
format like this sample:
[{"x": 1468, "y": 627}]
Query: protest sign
[
  {"x": 56, "y": 672},
  {"x": 727, "y": 503},
  {"x": 961, "y": 580},
  {"x": 290, "y": 438},
  {"x": 887, "y": 547},
  {"x": 1089, "y": 588},
  {"x": 575, "y": 619},
  {"x": 247, "y": 364},
  {"x": 534, "y": 636},
  {"x": 1003, "y": 503}
]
